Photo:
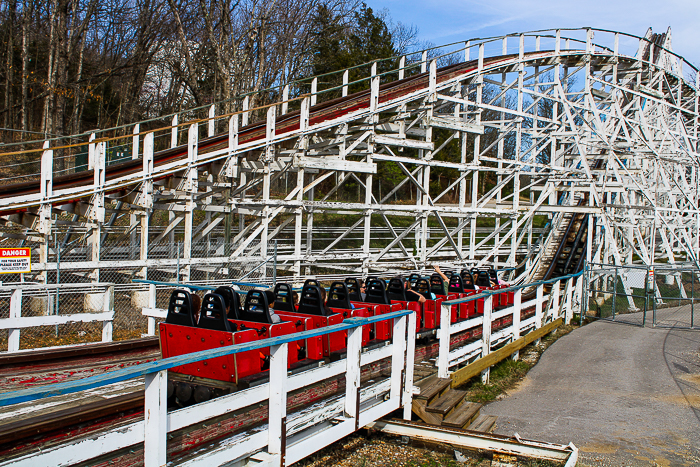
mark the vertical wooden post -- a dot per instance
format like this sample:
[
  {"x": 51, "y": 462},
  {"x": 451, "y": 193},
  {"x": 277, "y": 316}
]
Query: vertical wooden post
[
  {"x": 410, "y": 356},
  {"x": 277, "y": 418},
  {"x": 517, "y": 310},
  {"x": 97, "y": 210},
  {"x": 151, "y": 304},
  {"x": 285, "y": 99},
  {"x": 568, "y": 311},
  {"x": 191, "y": 188},
  {"x": 444, "y": 341},
  {"x": 108, "y": 305},
  {"x": 15, "y": 312},
  {"x": 173, "y": 143},
  {"x": 156, "y": 419},
  {"x": 398, "y": 347},
  {"x": 538, "y": 309},
  {"x": 352, "y": 375},
  {"x": 245, "y": 115},
  {"x": 146, "y": 201},
  {"x": 44, "y": 227},
  {"x": 314, "y": 91},
  {"x": 486, "y": 336},
  {"x": 346, "y": 78},
  {"x": 211, "y": 122}
]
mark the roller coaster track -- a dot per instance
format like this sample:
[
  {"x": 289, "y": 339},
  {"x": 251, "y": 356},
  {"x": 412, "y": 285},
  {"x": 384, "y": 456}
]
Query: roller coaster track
[{"x": 548, "y": 123}]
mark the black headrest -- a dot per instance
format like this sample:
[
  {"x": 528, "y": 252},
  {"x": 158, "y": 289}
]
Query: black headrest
[
  {"x": 413, "y": 278},
  {"x": 492, "y": 275},
  {"x": 284, "y": 300},
  {"x": 467, "y": 280},
  {"x": 256, "y": 307},
  {"x": 353, "y": 289},
  {"x": 338, "y": 296},
  {"x": 395, "y": 289},
  {"x": 375, "y": 292},
  {"x": 482, "y": 280},
  {"x": 312, "y": 282},
  {"x": 437, "y": 285},
  {"x": 180, "y": 309},
  {"x": 455, "y": 284},
  {"x": 231, "y": 299},
  {"x": 213, "y": 314},
  {"x": 423, "y": 287},
  {"x": 311, "y": 303}
]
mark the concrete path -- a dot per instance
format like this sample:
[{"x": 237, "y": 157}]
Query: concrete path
[{"x": 625, "y": 395}]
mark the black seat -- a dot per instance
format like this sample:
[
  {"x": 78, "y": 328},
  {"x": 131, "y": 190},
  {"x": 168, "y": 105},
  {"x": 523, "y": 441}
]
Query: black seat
[
  {"x": 256, "y": 308},
  {"x": 467, "y": 279},
  {"x": 395, "y": 289},
  {"x": 493, "y": 276},
  {"x": 231, "y": 299},
  {"x": 338, "y": 296},
  {"x": 482, "y": 280},
  {"x": 413, "y": 278},
  {"x": 213, "y": 314},
  {"x": 455, "y": 285},
  {"x": 284, "y": 297},
  {"x": 353, "y": 289},
  {"x": 312, "y": 282},
  {"x": 311, "y": 303},
  {"x": 376, "y": 293},
  {"x": 180, "y": 309},
  {"x": 437, "y": 285},
  {"x": 423, "y": 287}
]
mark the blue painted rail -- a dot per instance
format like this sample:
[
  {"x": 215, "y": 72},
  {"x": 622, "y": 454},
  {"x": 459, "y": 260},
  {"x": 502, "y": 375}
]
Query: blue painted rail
[{"x": 69, "y": 387}]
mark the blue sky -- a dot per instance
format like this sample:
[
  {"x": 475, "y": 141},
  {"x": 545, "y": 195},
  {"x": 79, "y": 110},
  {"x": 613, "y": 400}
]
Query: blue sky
[{"x": 445, "y": 21}]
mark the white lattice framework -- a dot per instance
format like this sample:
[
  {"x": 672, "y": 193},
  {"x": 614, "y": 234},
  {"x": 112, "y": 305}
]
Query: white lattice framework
[{"x": 622, "y": 129}]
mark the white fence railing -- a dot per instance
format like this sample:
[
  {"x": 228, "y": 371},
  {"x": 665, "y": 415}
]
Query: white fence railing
[
  {"x": 561, "y": 304},
  {"x": 284, "y": 439},
  {"x": 98, "y": 300}
]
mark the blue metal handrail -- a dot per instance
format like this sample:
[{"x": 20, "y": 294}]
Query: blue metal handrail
[
  {"x": 488, "y": 293},
  {"x": 69, "y": 387}
]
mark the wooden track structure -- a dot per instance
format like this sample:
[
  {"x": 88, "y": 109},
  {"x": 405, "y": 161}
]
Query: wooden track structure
[{"x": 601, "y": 142}]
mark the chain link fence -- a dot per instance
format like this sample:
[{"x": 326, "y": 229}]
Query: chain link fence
[
  {"x": 659, "y": 295},
  {"x": 211, "y": 263}
]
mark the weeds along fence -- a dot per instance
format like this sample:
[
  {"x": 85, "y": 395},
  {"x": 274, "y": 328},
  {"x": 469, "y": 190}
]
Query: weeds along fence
[
  {"x": 67, "y": 283},
  {"x": 662, "y": 295}
]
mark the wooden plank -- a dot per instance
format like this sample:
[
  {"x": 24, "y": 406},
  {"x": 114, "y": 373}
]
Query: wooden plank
[
  {"x": 483, "y": 423},
  {"x": 448, "y": 401},
  {"x": 463, "y": 415},
  {"x": 431, "y": 387},
  {"x": 419, "y": 406},
  {"x": 463, "y": 375}
]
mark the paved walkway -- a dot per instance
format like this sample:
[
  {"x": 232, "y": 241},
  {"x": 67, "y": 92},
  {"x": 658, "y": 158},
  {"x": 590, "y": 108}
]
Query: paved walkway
[{"x": 625, "y": 395}]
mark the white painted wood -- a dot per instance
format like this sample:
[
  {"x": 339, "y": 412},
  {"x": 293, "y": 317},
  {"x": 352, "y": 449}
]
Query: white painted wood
[
  {"x": 352, "y": 374},
  {"x": 277, "y": 420},
  {"x": 407, "y": 398},
  {"x": 151, "y": 306},
  {"x": 398, "y": 344},
  {"x": 486, "y": 336},
  {"x": 108, "y": 307},
  {"x": 444, "y": 340},
  {"x": 173, "y": 132},
  {"x": 51, "y": 320},
  {"x": 211, "y": 122},
  {"x": 517, "y": 310},
  {"x": 155, "y": 419},
  {"x": 314, "y": 91},
  {"x": 538, "y": 309},
  {"x": 568, "y": 310},
  {"x": 15, "y": 312},
  {"x": 346, "y": 76},
  {"x": 285, "y": 99}
]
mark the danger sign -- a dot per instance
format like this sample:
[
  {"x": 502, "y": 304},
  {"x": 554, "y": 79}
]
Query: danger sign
[{"x": 15, "y": 260}]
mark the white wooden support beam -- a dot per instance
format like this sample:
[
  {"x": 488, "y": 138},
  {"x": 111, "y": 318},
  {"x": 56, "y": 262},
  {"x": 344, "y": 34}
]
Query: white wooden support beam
[
  {"x": 135, "y": 142},
  {"x": 346, "y": 78},
  {"x": 151, "y": 304},
  {"x": 245, "y": 115},
  {"x": 15, "y": 312},
  {"x": 191, "y": 188},
  {"x": 374, "y": 89},
  {"x": 556, "y": 305},
  {"x": 398, "y": 347},
  {"x": 568, "y": 310},
  {"x": 538, "y": 309},
  {"x": 285, "y": 99},
  {"x": 432, "y": 81},
  {"x": 402, "y": 67},
  {"x": 407, "y": 400},
  {"x": 467, "y": 47},
  {"x": 107, "y": 306},
  {"x": 314, "y": 91},
  {"x": 277, "y": 417},
  {"x": 211, "y": 121},
  {"x": 517, "y": 310},
  {"x": 424, "y": 61},
  {"x": 486, "y": 336},
  {"x": 46, "y": 188},
  {"x": 156, "y": 419},
  {"x": 173, "y": 132},
  {"x": 232, "y": 164},
  {"x": 443, "y": 360},
  {"x": 352, "y": 375}
]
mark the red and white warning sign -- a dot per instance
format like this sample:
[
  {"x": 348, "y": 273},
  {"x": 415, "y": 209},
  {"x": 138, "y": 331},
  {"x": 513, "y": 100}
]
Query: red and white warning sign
[{"x": 15, "y": 260}]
